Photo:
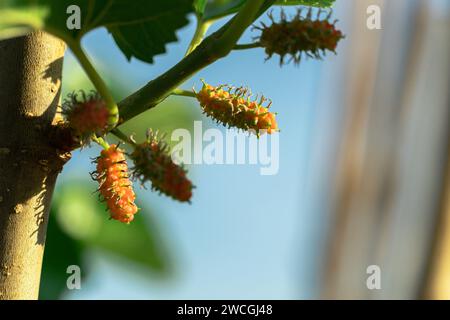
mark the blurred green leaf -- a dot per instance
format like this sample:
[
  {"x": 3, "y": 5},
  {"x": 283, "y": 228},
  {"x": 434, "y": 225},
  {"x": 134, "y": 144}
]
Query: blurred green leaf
[
  {"x": 15, "y": 21},
  {"x": 78, "y": 222},
  {"x": 75, "y": 78},
  {"x": 174, "y": 113},
  {"x": 141, "y": 28},
  {"x": 61, "y": 251},
  {"x": 77, "y": 211},
  {"x": 139, "y": 242}
]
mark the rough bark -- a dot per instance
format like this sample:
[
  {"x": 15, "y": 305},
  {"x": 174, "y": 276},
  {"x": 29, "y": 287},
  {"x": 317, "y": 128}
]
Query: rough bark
[{"x": 30, "y": 84}]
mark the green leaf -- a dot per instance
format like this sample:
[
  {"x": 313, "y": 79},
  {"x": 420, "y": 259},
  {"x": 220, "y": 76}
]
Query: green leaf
[
  {"x": 147, "y": 39},
  {"x": 83, "y": 217},
  {"x": 61, "y": 251},
  {"x": 148, "y": 35},
  {"x": 141, "y": 28},
  {"x": 220, "y": 8}
]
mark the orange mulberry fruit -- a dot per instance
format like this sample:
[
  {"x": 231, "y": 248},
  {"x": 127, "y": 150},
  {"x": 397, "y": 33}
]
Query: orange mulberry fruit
[
  {"x": 302, "y": 35},
  {"x": 153, "y": 163},
  {"x": 86, "y": 115},
  {"x": 114, "y": 184},
  {"x": 234, "y": 108}
]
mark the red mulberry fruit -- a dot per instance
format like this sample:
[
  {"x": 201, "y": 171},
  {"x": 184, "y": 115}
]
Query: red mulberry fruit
[
  {"x": 152, "y": 162},
  {"x": 115, "y": 185},
  {"x": 86, "y": 116}
]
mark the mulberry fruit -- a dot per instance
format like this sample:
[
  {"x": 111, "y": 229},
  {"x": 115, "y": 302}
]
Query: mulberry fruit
[
  {"x": 233, "y": 108},
  {"x": 87, "y": 115},
  {"x": 302, "y": 35},
  {"x": 114, "y": 184},
  {"x": 152, "y": 162}
]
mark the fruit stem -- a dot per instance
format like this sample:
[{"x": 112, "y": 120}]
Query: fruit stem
[
  {"x": 97, "y": 81},
  {"x": 247, "y": 46},
  {"x": 100, "y": 141},
  {"x": 183, "y": 93}
]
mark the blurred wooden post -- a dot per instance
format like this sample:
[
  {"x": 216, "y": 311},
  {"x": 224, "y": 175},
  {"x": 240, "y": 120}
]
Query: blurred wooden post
[
  {"x": 437, "y": 280},
  {"x": 389, "y": 176}
]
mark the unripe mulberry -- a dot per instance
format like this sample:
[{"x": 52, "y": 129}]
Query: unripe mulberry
[
  {"x": 234, "y": 108},
  {"x": 114, "y": 184},
  {"x": 86, "y": 115},
  {"x": 153, "y": 163},
  {"x": 302, "y": 35}
]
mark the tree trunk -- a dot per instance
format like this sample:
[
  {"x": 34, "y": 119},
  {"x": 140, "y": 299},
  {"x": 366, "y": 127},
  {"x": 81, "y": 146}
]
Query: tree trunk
[{"x": 30, "y": 86}]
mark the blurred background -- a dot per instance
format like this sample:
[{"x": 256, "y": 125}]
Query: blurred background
[{"x": 364, "y": 176}]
